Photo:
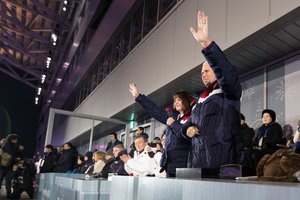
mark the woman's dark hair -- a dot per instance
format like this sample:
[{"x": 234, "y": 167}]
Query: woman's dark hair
[
  {"x": 89, "y": 155},
  {"x": 80, "y": 157},
  {"x": 11, "y": 137},
  {"x": 141, "y": 128},
  {"x": 185, "y": 98},
  {"x": 156, "y": 140},
  {"x": 49, "y": 146}
]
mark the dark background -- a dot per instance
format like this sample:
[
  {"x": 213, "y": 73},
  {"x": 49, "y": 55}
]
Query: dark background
[{"x": 18, "y": 112}]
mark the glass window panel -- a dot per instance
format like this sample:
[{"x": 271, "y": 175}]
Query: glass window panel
[
  {"x": 94, "y": 79},
  {"x": 81, "y": 95},
  {"x": 292, "y": 94},
  {"x": 108, "y": 59},
  {"x": 136, "y": 31},
  {"x": 165, "y": 6},
  {"x": 100, "y": 71},
  {"x": 276, "y": 92},
  {"x": 150, "y": 15},
  {"x": 252, "y": 101},
  {"x": 125, "y": 41},
  {"x": 116, "y": 52}
]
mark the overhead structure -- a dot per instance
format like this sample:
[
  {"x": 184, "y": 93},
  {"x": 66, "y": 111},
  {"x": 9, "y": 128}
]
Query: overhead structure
[{"x": 32, "y": 35}]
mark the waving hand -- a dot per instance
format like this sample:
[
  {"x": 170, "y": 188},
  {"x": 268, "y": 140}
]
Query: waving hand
[{"x": 201, "y": 34}]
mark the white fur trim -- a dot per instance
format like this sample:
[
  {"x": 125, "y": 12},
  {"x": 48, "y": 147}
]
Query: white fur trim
[{"x": 216, "y": 91}]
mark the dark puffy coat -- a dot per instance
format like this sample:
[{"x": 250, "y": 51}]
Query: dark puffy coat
[
  {"x": 23, "y": 177},
  {"x": 49, "y": 163},
  {"x": 107, "y": 168},
  {"x": 87, "y": 163},
  {"x": 217, "y": 117},
  {"x": 247, "y": 135},
  {"x": 272, "y": 136},
  {"x": 66, "y": 162},
  {"x": 117, "y": 166},
  {"x": 177, "y": 147}
]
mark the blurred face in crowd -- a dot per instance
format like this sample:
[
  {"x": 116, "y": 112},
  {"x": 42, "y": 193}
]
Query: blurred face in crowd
[
  {"x": 85, "y": 158},
  {"x": 139, "y": 131},
  {"x": 266, "y": 118},
  {"x": 21, "y": 163},
  {"x": 79, "y": 162},
  {"x": 98, "y": 156},
  {"x": 15, "y": 141},
  {"x": 66, "y": 147},
  {"x": 140, "y": 144},
  {"x": 208, "y": 75},
  {"x": 116, "y": 151},
  {"x": 112, "y": 138},
  {"x": 47, "y": 150},
  {"x": 242, "y": 121},
  {"x": 95, "y": 157}
]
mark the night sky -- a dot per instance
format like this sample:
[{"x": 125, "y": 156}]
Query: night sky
[{"x": 18, "y": 113}]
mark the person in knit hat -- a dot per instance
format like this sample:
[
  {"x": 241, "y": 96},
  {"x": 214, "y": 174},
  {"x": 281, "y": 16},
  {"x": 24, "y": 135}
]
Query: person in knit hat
[
  {"x": 271, "y": 113},
  {"x": 268, "y": 136}
]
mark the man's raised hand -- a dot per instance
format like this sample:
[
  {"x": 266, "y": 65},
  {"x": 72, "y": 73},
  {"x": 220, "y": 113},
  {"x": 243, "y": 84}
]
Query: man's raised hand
[{"x": 201, "y": 34}]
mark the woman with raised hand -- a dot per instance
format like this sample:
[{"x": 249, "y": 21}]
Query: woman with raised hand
[{"x": 176, "y": 150}]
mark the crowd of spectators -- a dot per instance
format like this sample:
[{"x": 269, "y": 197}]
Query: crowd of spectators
[{"x": 19, "y": 173}]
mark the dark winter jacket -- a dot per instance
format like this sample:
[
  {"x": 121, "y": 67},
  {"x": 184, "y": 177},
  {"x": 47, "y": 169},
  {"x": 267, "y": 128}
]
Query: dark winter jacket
[
  {"x": 118, "y": 165},
  {"x": 66, "y": 161},
  {"x": 247, "y": 135},
  {"x": 107, "y": 168},
  {"x": 49, "y": 163},
  {"x": 23, "y": 177},
  {"x": 272, "y": 135},
  {"x": 217, "y": 117}
]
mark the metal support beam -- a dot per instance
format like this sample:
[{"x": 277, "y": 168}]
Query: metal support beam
[
  {"x": 91, "y": 135},
  {"x": 15, "y": 76},
  {"x": 53, "y": 111},
  {"x": 11, "y": 29},
  {"x": 17, "y": 47},
  {"x": 38, "y": 51},
  {"x": 19, "y": 66},
  {"x": 42, "y": 29},
  {"x": 14, "y": 20},
  {"x": 48, "y": 138},
  {"x": 9, "y": 68},
  {"x": 50, "y": 14},
  {"x": 85, "y": 116},
  {"x": 46, "y": 13},
  {"x": 32, "y": 22}
]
